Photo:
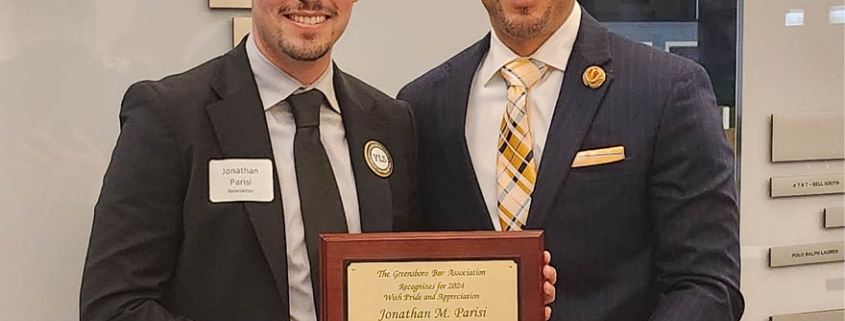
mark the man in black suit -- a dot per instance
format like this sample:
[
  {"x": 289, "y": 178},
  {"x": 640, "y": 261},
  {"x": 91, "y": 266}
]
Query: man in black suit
[
  {"x": 223, "y": 176},
  {"x": 613, "y": 148}
]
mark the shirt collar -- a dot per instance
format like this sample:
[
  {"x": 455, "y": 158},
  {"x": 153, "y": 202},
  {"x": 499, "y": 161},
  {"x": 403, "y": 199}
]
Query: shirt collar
[
  {"x": 274, "y": 85},
  {"x": 554, "y": 52}
]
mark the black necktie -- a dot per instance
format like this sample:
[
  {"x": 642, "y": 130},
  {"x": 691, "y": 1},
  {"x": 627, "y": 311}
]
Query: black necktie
[{"x": 319, "y": 197}]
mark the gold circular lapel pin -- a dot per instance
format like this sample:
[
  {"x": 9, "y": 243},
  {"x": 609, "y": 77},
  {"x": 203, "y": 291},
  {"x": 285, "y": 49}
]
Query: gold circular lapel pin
[
  {"x": 594, "y": 77},
  {"x": 378, "y": 159}
]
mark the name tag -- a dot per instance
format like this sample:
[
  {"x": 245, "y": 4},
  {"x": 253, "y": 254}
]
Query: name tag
[{"x": 240, "y": 180}]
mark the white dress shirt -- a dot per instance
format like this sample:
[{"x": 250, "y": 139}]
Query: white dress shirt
[
  {"x": 274, "y": 86},
  {"x": 488, "y": 98}
]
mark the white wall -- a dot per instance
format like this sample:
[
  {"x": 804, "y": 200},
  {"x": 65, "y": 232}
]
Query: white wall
[
  {"x": 391, "y": 42},
  {"x": 64, "y": 66},
  {"x": 787, "y": 70}
]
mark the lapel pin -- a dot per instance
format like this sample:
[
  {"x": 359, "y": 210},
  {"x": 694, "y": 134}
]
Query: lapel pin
[
  {"x": 378, "y": 159},
  {"x": 594, "y": 77}
]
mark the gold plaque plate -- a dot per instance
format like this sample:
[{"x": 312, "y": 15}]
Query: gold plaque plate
[
  {"x": 471, "y": 290},
  {"x": 832, "y": 315},
  {"x": 241, "y": 26},
  {"x": 807, "y": 185},
  {"x": 808, "y": 136},
  {"x": 230, "y": 4},
  {"x": 834, "y": 217},
  {"x": 806, "y": 254}
]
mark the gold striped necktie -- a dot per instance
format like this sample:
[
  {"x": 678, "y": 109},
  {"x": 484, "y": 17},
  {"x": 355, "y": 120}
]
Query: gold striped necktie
[{"x": 516, "y": 169}]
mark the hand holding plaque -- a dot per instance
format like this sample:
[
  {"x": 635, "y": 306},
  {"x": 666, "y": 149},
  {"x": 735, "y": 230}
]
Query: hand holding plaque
[
  {"x": 550, "y": 275},
  {"x": 423, "y": 276}
]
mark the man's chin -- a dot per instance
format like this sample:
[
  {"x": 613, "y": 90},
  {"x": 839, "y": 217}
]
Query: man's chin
[
  {"x": 524, "y": 28},
  {"x": 306, "y": 54}
]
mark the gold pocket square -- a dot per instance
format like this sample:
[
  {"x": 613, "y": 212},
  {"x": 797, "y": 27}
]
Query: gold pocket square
[{"x": 594, "y": 157}]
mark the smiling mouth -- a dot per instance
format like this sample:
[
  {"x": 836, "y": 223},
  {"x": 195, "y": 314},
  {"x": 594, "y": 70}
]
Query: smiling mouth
[{"x": 310, "y": 20}]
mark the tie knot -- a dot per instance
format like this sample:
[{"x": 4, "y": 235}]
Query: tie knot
[
  {"x": 306, "y": 108},
  {"x": 523, "y": 72}
]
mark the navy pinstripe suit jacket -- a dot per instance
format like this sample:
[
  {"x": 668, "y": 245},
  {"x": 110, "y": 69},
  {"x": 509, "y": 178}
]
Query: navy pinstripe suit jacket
[{"x": 654, "y": 237}]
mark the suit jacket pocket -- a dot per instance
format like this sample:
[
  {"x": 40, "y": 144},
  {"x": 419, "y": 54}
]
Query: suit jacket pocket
[{"x": 605, "y": 171}]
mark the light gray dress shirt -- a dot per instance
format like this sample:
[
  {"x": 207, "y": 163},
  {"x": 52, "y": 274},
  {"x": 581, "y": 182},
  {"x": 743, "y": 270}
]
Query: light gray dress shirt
[{"x": 274, "y": 86}]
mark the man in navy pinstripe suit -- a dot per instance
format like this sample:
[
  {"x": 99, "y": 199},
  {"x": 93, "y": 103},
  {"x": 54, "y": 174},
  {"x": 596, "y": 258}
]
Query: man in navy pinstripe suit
[{"x": 613, "y": 148}]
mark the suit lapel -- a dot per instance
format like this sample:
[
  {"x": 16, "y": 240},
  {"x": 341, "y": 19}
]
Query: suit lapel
[
  {"x": 576, "y": 107},
  {"x": 241, "y": 128},
  {"x": 375, "y": 200},
  {"x": 452, "y": 121}
]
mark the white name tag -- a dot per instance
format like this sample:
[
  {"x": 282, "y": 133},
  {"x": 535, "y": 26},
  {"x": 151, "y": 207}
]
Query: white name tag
[{"x": 240, "y": 180}]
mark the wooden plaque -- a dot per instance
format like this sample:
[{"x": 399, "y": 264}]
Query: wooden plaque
[{"x": 456, "y": 275}]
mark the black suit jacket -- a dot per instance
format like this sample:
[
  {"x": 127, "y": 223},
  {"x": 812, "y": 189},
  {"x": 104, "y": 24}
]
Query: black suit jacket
[
  {"x": 654, "y": 237},
  {"x": 159, "y": 250}
]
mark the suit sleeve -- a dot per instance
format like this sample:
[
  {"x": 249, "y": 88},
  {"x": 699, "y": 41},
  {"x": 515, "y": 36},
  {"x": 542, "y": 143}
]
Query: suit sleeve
[
  {"x": 694, "y": 207},
  {"x": 420, "y": 221},
  {"x": 137, "y": 226},
  {"x": 413, "y": 221}
]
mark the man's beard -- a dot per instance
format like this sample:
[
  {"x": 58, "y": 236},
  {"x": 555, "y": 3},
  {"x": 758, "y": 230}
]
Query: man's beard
[
  {"x": 308, "y": 52},
  {"x": 525, "y": 29}
]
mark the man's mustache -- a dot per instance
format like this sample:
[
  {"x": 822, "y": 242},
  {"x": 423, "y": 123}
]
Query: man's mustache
[{"x": 310, "y": 6}]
